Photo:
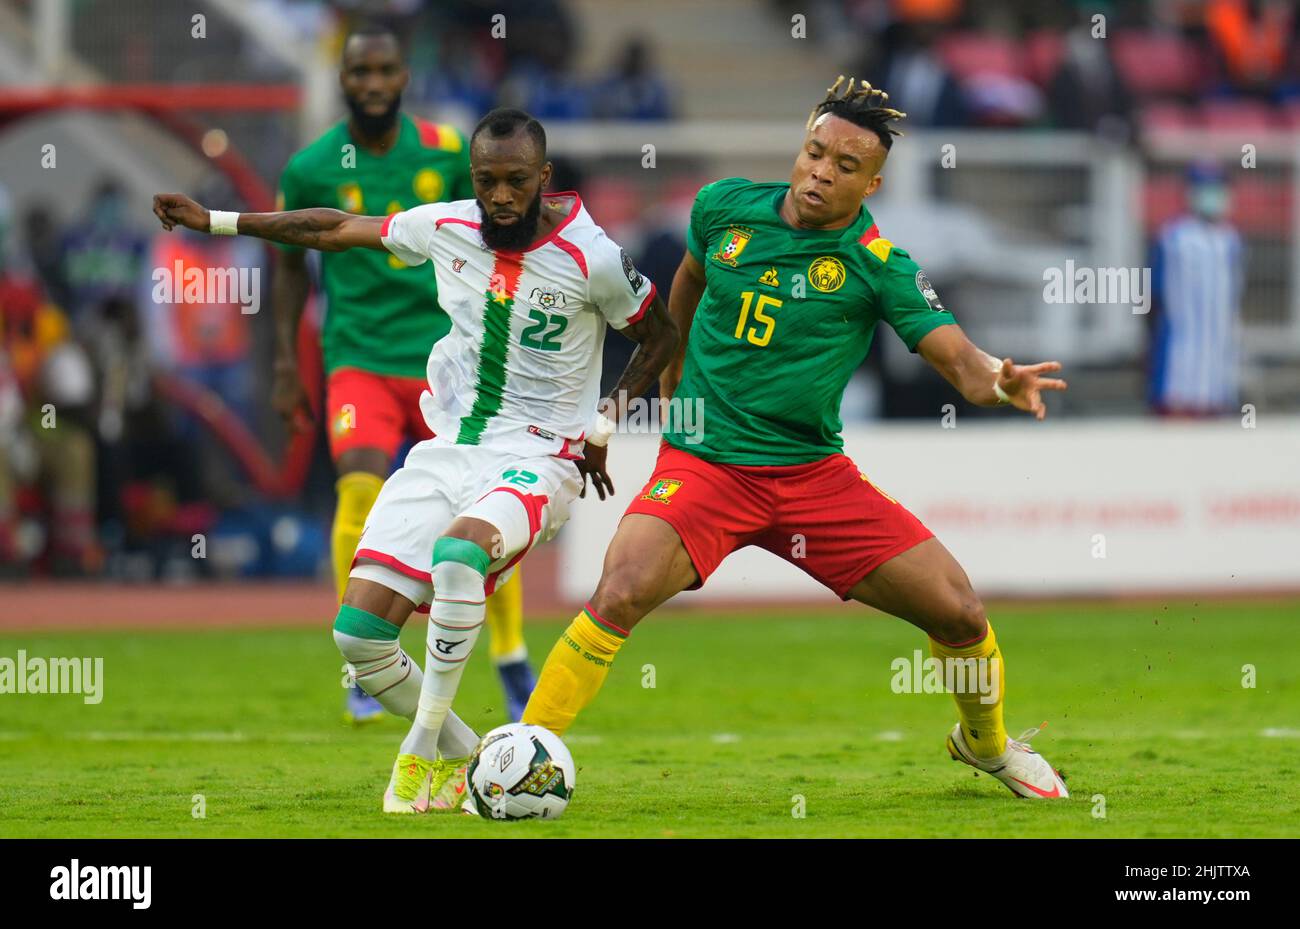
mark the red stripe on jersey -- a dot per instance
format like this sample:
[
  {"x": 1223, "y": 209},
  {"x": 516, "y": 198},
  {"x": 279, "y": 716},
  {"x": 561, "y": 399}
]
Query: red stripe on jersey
[
  {"x": 430, "y": 137},
  {"x": 389, "y": 561},
  {"x": 870, "y": 235},
  {"x": 437, "y": 223},
  {"x": 645, "y": 305},
  {"x": 574, "y": 252},
  {"x": 508, "y": 266},
  {"x": 577, "y": 208},
  {"x": 388, "y": 221}
]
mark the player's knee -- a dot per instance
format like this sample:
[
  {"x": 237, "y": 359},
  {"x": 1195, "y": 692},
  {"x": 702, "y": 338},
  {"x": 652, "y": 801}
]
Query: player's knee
[
  {"x": 963, "y": 617},
  {"x": 623, "y": 598}
]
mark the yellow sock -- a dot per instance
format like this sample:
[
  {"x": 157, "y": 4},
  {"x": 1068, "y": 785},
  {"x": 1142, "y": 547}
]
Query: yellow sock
[
  {"x": 357, "y": 491},
  {"x": 574, "y": 671},
  {"x": 981, "y": 721},
  {"x": 505, "y": 622}
]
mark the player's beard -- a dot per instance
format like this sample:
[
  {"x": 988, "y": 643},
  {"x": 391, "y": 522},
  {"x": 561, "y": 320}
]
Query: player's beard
[
  {"x": 514, "y": 237},
  {"x": 369, "y": 125}
]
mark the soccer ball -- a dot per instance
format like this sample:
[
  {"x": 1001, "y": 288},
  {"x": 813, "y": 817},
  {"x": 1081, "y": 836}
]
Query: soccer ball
[{"x": 520, "y": 772}]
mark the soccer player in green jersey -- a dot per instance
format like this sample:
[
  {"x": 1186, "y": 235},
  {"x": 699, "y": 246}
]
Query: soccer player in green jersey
[
  {"x": 780, "y": 289},
  {"x": 382, "y": 317}
]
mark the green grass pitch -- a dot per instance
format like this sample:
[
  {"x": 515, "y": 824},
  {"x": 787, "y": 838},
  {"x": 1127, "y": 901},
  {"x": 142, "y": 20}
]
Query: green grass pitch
[{"x": 747, "y": 715}]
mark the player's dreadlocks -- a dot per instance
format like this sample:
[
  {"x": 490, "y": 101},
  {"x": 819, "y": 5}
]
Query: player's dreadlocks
[{"x": 863, "y": 106}]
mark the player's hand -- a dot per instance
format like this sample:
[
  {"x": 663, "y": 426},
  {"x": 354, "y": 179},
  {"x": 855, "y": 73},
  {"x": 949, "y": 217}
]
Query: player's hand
[
  {"x": 179, "y": 210},
  {"x": 1024, "y": 384},
  {"x": 593, "y": 466},
  {"x": 289, "y": 399}
]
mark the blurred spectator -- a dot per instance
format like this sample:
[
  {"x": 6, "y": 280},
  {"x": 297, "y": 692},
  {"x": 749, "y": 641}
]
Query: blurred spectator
[
  {"x": 1087, "y": 92},
  {"x": 48, "y": 479},
  {"x": 45, "y": 249},
  {"x": 101, "y": 253},
  {"x": 1252, "y": 39},
  {"x": 1197, "y": 271},
  {"x": 916, "y": 78},
  {"x": 633, "y": 89}
]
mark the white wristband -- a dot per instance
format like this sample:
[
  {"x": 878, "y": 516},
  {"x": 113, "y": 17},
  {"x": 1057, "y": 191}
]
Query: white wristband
[
  {"x": 1003, "y": 397},
  {"x": 600, "y": 433},
  {"x": 223, "y": 222}
]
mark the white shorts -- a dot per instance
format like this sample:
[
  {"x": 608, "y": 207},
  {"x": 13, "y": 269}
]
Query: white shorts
[{"x": 526, "y": 499}]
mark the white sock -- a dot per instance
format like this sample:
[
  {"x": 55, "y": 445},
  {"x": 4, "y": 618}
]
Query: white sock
[
  {"x": 382, "y": 669},
  {"x": 455, "y": 620}
]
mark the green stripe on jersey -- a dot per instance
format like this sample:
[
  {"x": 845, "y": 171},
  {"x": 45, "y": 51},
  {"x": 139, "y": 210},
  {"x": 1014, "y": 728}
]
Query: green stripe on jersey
[{"x": 490, "y": 390}]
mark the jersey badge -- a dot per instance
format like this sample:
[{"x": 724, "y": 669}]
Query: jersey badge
[
  {"x": 457, "y": 264},
  {"x": 634, "y": 278},
  {"x": 350, "y": 199},
  {"x": 662, "y": 490},
  {"x": 730, "y": 248},
  {"x": 827, "y": 274},
  {"x": 928, "y": 292},
  {"x": 546, "y": 298},
  {"x": 428, "y": 185},
  {"x": 769, "y": 278}
]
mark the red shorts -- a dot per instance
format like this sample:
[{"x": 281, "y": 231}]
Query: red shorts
[
  {"x": 824, "y": 517},
  {"x": 368, "y": 410}
]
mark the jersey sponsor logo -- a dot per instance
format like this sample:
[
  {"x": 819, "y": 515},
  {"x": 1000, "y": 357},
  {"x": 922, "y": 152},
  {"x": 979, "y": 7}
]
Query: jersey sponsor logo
[
  {"x": 634, "y": 278},
  {"x": 457, "y": 264},
  {"x": 662, "y": 490},
  {"x": 827, "y": 274},
  {"x": 350, "y": 199},
  {"x": 769, "y": 278},
  {"x": 546, "y": 298},
  {"x": 428, "y": 185},
  {"x": 928, "y": 292},
  {"x": 732, "y": 245},
  {"x": 540, "y": 432}
]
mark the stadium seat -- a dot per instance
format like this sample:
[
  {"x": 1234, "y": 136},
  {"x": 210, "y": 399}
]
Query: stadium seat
[
  {"x": 1162, "y": 200},
  {"x": 971, "y": 53},
  {"x": 1153, "y": 63},
  {"x": 1240, "y": 115},
  {"x": 1155, "y": 117},
  {"x": 1044, "y": 49},
  {"x": 1261, "y": 206}
]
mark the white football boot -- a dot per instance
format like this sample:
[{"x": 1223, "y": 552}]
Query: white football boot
[{"x": 1025, "y": 772}]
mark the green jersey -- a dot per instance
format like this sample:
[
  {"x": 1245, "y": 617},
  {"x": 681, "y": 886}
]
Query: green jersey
[
  {"x": 381, "y": 315},
  {"x": 786, "y": 317}
]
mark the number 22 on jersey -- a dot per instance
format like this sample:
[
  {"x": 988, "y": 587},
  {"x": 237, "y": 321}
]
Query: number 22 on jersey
[{"x": 759, "y": 317}]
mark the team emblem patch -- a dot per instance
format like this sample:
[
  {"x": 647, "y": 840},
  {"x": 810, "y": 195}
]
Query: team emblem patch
[
  {"x": 826, "y": 274},
  {"x": 928, "y": 292},
  {"x": 350, "y": 199},
  {"x": 733, "y": 244},
  {"x": 546, "y": 298},
  {"x": 662, "y": 490},
  {"x": 428, "y": 185},
  {"x": 634, "y": 278},
  {"x": 457, "y": 264}
]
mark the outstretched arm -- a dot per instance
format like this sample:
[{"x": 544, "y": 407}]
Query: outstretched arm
[
  {"x": 978, "y": 376},
  {"x": 323, "y": 229},
  {"x": 656, "y": 335}
]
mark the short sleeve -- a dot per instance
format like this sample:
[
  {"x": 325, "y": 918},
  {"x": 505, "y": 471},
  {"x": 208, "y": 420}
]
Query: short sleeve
[
  {"x": 621, "y": 292},
  {"x": 697, "y": 233},
  {"x": 409, "y": 234},
  {"x": 908, "y": 301}
]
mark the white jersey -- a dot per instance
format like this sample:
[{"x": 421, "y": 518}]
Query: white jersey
[{"x": 520, "y": 369}]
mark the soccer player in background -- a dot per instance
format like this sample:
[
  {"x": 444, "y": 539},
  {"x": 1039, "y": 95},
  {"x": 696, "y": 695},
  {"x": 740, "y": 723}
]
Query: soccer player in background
[
  {"x": 382, "y": 315},
  {"x": 529, "y": 282},
  {"x": 769, "y": 364}
]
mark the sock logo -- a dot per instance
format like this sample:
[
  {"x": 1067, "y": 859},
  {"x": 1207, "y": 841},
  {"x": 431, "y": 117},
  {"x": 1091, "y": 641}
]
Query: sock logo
[{"x": 444, "y": 647}]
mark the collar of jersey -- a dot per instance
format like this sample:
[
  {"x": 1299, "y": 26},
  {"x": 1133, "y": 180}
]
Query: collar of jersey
[
  {"x": 863, "y": 216},
  {"x": 555, "y": 233},
  {"x": 404, "y": 127}
]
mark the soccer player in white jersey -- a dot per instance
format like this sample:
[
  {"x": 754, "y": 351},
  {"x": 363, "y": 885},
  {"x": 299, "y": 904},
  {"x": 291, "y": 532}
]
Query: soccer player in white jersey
[{"x": 529, "y": 281}]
